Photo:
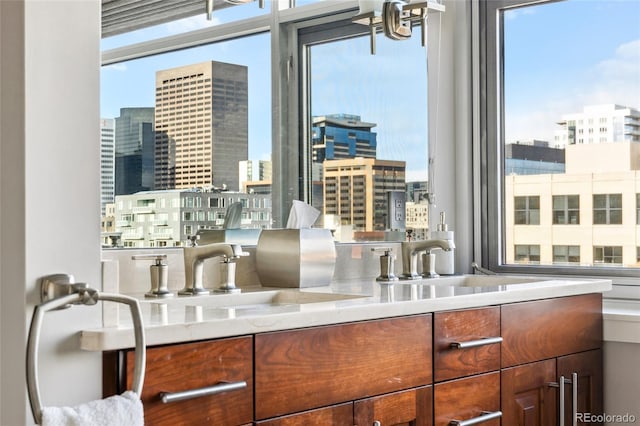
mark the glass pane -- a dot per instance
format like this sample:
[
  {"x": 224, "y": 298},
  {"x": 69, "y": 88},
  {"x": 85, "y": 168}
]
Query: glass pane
[
  {"x": 570, "y": 114},
  {"x": 573, "y": 202},
  {"x": 615, "y": 201},
  {"x": 559, "y": 202},
  {"x": 199, "y": 121},
  {"x": 369, "y": 137},
  {"x": 600, "y": 201}
]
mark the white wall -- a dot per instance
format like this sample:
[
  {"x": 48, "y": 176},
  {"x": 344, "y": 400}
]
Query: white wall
[
  {"x": 622, "y": 379},
  {"x": 49, "y": 193}
]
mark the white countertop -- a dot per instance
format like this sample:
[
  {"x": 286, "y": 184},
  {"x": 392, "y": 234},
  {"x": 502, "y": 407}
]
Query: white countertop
[{"x": 256, "y": 310}]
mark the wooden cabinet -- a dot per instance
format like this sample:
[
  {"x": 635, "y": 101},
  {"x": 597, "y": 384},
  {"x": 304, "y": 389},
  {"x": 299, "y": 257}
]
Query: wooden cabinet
[
  {"x": 585, "y": 372},
  {"x": 471, "y": 397},
  {"x": 299, "y": 370},
  {"x": 462, "y": 342},
  {"x": 549, "y": 328},
  {"x": 337, "y": 415},
  {"x": 192, "y": 366},
  {"x": 411, "y": 408},
  {"x": 415, "y": 370},
  {"x": 551, "y": 357},
  {"x": 527, "y": 397}
]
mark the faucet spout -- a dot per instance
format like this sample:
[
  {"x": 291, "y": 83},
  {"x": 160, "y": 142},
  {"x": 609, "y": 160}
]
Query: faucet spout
[
  {"x": 194, "y": 258},
  {"x": 410, "y": 250}
]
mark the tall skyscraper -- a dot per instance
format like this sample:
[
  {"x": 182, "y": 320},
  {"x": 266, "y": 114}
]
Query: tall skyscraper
[
  {"x": 201, "y": 125},
  {"x": 134, "y": 150},
  {"x": 107, "y": 143}
]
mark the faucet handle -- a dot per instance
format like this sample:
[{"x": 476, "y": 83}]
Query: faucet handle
[
  {"x": 237, "y": 252},
  {"x": 159, "y": 273},
  {"x": 386, "y": 250},
  {"x": 387, "y": 261},
  {"x": 160, "y": 259}
]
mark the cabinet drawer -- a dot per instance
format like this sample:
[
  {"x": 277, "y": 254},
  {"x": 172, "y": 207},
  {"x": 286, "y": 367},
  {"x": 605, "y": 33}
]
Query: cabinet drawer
[
  {"x": 413, "y": 407},
  {"x": 467, "y": 398},
  {"x": 453, "y": 331},
  {"x": 191, "y": 366},
  {"x": 542, "y": 329},
  {"x": 315, "y": 367},
  {"x": 337, "y": 415}
]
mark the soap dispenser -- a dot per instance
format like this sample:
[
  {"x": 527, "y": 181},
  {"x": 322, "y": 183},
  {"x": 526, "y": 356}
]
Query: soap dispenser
[
  {"x": 387, "y": 264},
  {"x": 444, "y": 260}
]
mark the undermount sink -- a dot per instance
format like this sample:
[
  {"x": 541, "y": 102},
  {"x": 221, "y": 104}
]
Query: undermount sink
[
  {"x": 254, "y": 299},
  {"x": 475, "y": 280}
]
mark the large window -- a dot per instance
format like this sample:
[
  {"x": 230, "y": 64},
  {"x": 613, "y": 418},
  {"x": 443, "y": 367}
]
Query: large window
[
  {"x": 366, "y": 135},
  {"x": 558, "y": 121},
  {"x": 197, "y": 117}
]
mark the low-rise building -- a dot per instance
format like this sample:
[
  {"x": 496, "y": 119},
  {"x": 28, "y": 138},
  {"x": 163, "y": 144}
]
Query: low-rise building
[{"x": 168, "y": 218}]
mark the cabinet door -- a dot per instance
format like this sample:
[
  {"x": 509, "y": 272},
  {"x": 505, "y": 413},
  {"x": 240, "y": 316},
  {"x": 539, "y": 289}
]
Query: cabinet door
[
  {"x": 337, "y": 415},
  {"x": 410, "y": 408},
  {"x": 300, "y": 370},
  {"x": 527, "y": 398},
  {"x": 588, "y": 368},
  {"x": 191, "y": 366},
  {"x": 542, "y": 329},
  {"x": 469, "y": 398}
]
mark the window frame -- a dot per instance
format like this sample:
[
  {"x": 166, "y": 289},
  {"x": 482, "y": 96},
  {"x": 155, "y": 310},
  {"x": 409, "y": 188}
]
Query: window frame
[{"x": 490, "y": 130}]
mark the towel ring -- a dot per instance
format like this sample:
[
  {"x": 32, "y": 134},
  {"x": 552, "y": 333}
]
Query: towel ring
[{"x": 80, "y": 295}]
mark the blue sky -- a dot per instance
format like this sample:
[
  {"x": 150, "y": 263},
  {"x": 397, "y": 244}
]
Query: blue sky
[
  {"x": 562, "y": 56},
  {"x": 559, "y": 57}
]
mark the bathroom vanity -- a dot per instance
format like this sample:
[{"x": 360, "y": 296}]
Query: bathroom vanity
[{"x": 497, "y": 349}]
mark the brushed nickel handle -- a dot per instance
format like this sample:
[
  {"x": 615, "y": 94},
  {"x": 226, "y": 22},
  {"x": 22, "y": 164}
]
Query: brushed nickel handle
[
  {"x": 476, "y": 343},
  {"x": 377, "y": 423},
  {"x": 574, "y": 399},
  {"x": 560, "y": 386},
  {"x": 484, "y": 417},
  {"x": 168, "y": 397}
]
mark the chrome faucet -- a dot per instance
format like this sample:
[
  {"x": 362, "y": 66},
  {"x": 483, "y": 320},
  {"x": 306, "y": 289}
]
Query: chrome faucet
[
  {"x": 194, "y": 258},
  {"x": 410, "y": 250}
]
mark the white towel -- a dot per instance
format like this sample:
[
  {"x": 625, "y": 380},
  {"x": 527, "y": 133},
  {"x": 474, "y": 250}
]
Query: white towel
[{"x": 125, "y": 409}]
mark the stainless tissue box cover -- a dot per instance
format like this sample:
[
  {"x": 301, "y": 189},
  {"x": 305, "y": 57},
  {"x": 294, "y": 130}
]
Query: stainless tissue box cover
[{"x": 295, "y": 258}]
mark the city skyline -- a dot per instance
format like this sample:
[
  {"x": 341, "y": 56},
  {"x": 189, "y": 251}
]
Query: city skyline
[{"x": 603, "y": 69}]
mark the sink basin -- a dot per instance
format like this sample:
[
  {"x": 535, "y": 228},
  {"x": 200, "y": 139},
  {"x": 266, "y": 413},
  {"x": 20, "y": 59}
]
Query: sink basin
[
  {"x": 475, "y": 280},
  {"x": 267, "y": 298}
]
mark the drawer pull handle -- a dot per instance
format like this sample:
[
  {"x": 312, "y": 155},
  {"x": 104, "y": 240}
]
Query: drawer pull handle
[
  {"x": 484, "y": 417},
  {"x": 560, "y": 386},
  {"x": 476, "y": 343},
  {"x": 168, "y": 397}
]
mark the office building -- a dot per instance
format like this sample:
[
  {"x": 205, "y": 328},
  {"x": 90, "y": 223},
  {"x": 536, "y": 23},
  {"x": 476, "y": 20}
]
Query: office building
[
  {"x": 533, "y": 158},
  {"x": 134, "y": 150},
  {"x": 599, "y": 124},
  {"x": 107, "y": 168},
  {"x": 587, "y": 216},
  {"x": 356, "y": 190},
  {"x": 201, "y": 125}
]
